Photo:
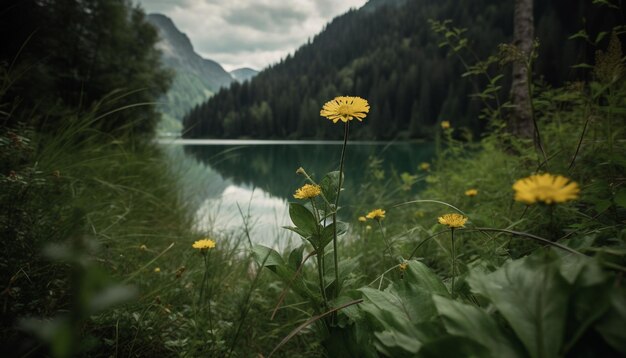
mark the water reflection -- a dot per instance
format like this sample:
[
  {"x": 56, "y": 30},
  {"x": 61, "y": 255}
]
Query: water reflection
[
  {"x": 260, "y": 177},
  {"x": 272, "y": 167},
  {"x": 267, "y": 215}
]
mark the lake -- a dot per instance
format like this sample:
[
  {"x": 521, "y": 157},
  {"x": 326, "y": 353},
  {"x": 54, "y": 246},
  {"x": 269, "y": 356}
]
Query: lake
[{"x": 225, "y": 178}]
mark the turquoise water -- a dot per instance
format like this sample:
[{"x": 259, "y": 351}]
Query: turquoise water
[{"x": 259, "y": 177}]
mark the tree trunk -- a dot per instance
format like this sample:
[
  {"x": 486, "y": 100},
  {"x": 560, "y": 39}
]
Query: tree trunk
[{"x": 521, "y": 121}]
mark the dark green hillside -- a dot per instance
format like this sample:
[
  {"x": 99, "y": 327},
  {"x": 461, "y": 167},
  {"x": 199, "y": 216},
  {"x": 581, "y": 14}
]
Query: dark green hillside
[{"x": 387, "y": 53}]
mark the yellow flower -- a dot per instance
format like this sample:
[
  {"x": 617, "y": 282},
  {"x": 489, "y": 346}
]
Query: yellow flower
[
  {"x": 471, "y": 192},
  {"x": 546, "y": 188},
  {"x": 308, "y": 191},
  {"x": 445, "y": 124},
  {"x": 143, "y": 247},
  {"x": 157, "y": 269},
  {"x": 425, "y": 166},
  {"x": 403, "y": 266},
  {"x": 345, "y": 108},
  {"x": 362, "y": 219},
  {"x": 204, "y": 244},
  {"x": 377, "y": 214},
  {"x": 453, "y": 221}
]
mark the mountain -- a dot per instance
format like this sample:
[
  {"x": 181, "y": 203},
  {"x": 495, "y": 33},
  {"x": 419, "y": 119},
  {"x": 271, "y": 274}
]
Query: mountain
[
  {"x": 387, "y": 53},
  {"x": 243, "y": 74},
  {"x": 195, "y": 78}
]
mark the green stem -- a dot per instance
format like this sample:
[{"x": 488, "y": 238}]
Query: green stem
[
  {"x": 320, "y": 258},
  {"x": 206, "y": 271},
  {"x": 320, "y": 273},
  {"x": 453, "y": 260},
  {"x": 335, "y": 255},
  {"x": 204, "y": 278},
  {"x": 382, "y": 232}
]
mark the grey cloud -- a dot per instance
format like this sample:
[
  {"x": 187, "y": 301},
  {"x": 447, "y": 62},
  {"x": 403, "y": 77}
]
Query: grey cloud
[
  {"x": 262, "y": 17},
  {"x": 236, "y": 42},
  {"x": 254, "y": 33}
]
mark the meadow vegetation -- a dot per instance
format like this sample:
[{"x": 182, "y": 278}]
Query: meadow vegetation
[{"x": 101, "y": 256}]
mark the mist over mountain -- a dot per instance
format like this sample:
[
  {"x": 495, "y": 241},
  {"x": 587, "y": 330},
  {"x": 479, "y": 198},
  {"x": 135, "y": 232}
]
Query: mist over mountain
[{"x": 387, "y": 53}]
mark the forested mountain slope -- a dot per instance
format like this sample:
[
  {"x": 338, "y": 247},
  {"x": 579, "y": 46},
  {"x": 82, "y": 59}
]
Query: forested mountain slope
[{"x": 387, "y": 53}]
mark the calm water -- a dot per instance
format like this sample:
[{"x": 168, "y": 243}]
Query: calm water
[{"x": 259, "y": 177}]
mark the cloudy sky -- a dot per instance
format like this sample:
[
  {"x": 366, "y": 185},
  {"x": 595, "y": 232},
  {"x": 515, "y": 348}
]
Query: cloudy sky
[{"x": 249, "y": 33}]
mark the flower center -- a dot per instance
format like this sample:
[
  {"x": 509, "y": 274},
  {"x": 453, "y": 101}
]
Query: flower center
[{"x": 345, "y": 110}]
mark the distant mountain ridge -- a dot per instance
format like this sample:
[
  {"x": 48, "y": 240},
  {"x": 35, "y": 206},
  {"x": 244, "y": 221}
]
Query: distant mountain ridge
[
  {"x": 195, "y": 79},
  {"x": 243, "y": 74}
]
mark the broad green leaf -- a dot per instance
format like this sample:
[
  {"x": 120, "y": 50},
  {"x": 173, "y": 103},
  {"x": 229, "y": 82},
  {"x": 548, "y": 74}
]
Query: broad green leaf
[
  {"x": 295, "y": 257},
  {"x": 303, "y": 218},
  {"x": 328, "y": 232},
  {"x": 329, "y": 185},
  {"x": 275, "y": 263},
  {"x": 298, "y": 231},
  {"x": 297, "y": 283},
  {"x": 449, "y": 346},
  {"x": 611, "y": 327},
  {"x": 532, "y": 296},
  {"x": 579, "y": 269},
  {"x": 403, "y": 310},
  {"x": 474, "y": 323},
  {"x": 421, "y": 276},
  {"x": 267, "y": 256}
]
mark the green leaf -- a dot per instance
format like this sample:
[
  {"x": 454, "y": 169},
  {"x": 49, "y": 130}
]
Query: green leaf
[
  {"x": 295, "y": 257},
  {"x": 448, "y": 346},
  {"x": 267, "y": 256},
  {"x": 297, "y": 231},
  {"x": 474, "y": 323},
  {"x": 421, "y": 276},
  {"x": 274, "y": 262},
  {"x": 404, "y": 311},
  {"x": 329, "y": 184},
  {"x": 303, "y": 218},
  {"x": 600, "y": 36},
  {"x": 611, "y": 327},
  {"x": 328, "y": 232},
  {"x": 532, "y": 296}
]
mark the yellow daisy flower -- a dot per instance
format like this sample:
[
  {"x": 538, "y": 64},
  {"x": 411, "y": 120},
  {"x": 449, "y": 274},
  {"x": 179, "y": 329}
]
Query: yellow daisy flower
[
  {"x": 445, "y": 124},
  {"x": 471, "y": 192},
  {"x": 308, "y": 191},
  {"x": 546, "y": 188},
  {"x": 362, "y": 219},
  {"x": 453, "y": 221},
  {"x": 204, "y": 244},
  {"x": 377, "y": 214},
  {"x": 345, "y": 108}
]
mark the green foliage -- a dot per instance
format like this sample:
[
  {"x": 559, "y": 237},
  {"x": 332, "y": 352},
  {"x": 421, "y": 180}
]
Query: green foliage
[
  {"x": 525, "y": 307},
  {"x": 68, "y": 57}
]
